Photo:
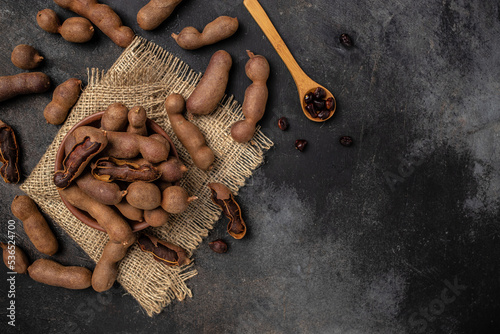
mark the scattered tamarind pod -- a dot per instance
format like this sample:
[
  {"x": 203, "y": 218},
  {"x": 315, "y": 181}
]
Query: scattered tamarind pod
[
  {"x": 156, "y": 217},
  {"x": 188, "y": 133},
  {"x": 221, "y": 28},
  {"x": 112, "y": 222},
  {"x": 106, "y": 269},
  {"x": 129, "y": 211},
  {"x": 115, "y": 117},
  {"x": 64, "y": 97},
  {"x": 254, "y": 103},
  {"x": 14, "y": 258},
  {"x": 155, "y": 12},
  {"x": 175, "y": 199},
  {"x": 124, "y": 145},
  {"x": 89, "y": 142},
  {"x": 23, "y": 83},
  {"x": 35, "y": 225},
  {"x": 222, "y": 197},
  {"x": 9, "y": 154},
  {"x": 212, "y": 86},
  {"x": 109, "y": 169},
  {"x": 108, "y": 193},
  {"x": 103, "y": 17},
  {"x": 73, "y": 29},
  {"x": 52, "y": 273},
  {"x": 143, "y": 195},
  {"x": 137, "y": 121},
  {"x": 172, "y": 170},
  {"x": 163, "y": 251},
  {"x": 25, "y": 57}
]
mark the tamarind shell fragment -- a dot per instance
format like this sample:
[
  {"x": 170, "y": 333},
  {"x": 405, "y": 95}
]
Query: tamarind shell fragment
[
  {"x": 9, "y": 154},
  {"x": 222, "y": 197},
  {"x": 109, "y": 169},
  {"x": 163, "y": 251}
]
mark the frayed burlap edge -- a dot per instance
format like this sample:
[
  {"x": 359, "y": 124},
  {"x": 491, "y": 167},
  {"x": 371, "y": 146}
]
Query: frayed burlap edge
[{"x": 145, "y": 75}]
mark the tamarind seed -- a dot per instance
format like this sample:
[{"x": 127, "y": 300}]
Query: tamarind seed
[
  {"x": 218, "y": 246},
  {"x": 283, "y": 123},
  {"x": 310, "y": 108},
  {"x": 319, "y": 93},
  {"x": 345, "y": 40},
  {"x": 324, "y": 114},
  {"x": 330, "y": 103},
  {"x": 300, "y": 144},
  {"x": 309, "y": 97},
  {"x": 319, "y": 105},
  {"x": 346, "y": 141}
]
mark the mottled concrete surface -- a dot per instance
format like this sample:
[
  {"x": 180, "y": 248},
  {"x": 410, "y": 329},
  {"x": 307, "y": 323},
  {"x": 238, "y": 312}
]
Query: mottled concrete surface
[{"x": 397, "y": 234}]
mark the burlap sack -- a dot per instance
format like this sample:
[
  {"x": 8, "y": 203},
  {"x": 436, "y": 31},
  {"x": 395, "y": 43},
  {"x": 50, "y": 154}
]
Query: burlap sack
[{"x": 145, "y": 75}]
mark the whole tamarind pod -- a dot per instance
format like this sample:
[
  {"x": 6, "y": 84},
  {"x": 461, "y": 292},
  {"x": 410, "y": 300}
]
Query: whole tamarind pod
[
  {"x": 109, "y": 169},
  {"x": 124, "y": 145},
  {"x": 115, "y": 117},
  {"x": 155, "y": 12},
  {"x": 74, "y": 29},
  {"x": 89, "y": 142},
  {"x": 137, "y": 121},
  {"x": 143, "y": 195},
  {"x": 171, "y": 170},
  {"x": 175, "y": 199},
  {"x": 163, "y": 251},
  {"x": 212, "y": 86},
  {"x": 130, "y": 212},
  {"x": 64, "y": 97},
  {"x": 156, "y": 217},
  {"x": 14, "y": 258},
  {"x": 35, "y": 226},
  {"x": 108, "y": 193},
  {"x": 254, "y": 103},
  {"x": 23, "y": 83},
  {"x": 25, "y": 57},
  {"x": 112, "y": 222},
  {"x": 52, "y": 273},
  {"x": 217, "y": 30},
  {"x": 188, "y": 133},
  {"x": 9, "y": 154},
  {"x": 106, "y": 269},
  {"x": 222, "y": 196},
  {"x": 103, "y": 17}
]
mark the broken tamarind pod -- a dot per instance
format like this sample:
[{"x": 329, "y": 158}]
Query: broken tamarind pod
[
  {"x": 106, "y": 269},
  {"x": 112, "y": 222},
  {"x": 34, "y": 224},
  {"x": 156, "y": 217},
  {"x": 14, "y": 258},
  {"x": 137, "y": 121},
  {"x": 109, "y": 169},
  {"x": 163, "y": 251},
  {"x": 108, "y": 193},
  {"x": 254, "y": 103},
  {"x": 175, "y": 199},
  {"x": 130, "y": 212},
  {"x": 222, "y": 196},
  {"x": 64, "y": 97},
  {"x": 89, "y": 142},
  {"x": 188, "y": 133},
  {"x": 115, "y": 117},
  {"x": 9, "y": 154}
]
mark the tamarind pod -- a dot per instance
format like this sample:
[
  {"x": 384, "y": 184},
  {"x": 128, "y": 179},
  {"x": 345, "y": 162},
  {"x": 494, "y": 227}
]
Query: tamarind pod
[
  {"x": 23, "y": 83},
  {"x": 109, "y": 169},
  {"x": 52, "y": 273},
  {"x": 9, "y": 154},
  {"x": 222, "y": 196},
  {"x": 106, "y": 269},
  {"x": 163, "y": 251},
  {"x": 115, "y": 117},
  {"x": 155, "y": 12},
  {"x": 64, "y": 97},
  {"x": 108, "y": 193},
  {"x": 20, "y": 261}
]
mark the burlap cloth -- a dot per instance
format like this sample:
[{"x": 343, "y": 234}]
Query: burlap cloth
[{"x": 145, "y": 75}]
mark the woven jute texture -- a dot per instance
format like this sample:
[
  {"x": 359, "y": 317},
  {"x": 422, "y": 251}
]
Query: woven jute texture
[{"x": 145, "y": 75}]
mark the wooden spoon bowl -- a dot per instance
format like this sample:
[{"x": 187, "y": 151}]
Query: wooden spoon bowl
[{"x": 303, "y": 82}]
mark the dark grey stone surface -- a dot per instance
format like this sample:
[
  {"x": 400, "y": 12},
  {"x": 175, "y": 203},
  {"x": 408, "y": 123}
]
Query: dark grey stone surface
[{"x": 397, "y": 234}]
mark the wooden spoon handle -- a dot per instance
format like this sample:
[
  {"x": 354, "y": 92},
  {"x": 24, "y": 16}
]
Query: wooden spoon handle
[{"x": 260, "y": 16}]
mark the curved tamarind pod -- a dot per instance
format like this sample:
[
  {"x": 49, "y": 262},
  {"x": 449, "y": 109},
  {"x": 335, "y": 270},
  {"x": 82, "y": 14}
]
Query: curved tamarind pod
[
  {"x": 222, "y": 196},
  {"x": 109, "y": 169},
  {"x": 217, "y": 30},
  {"x": 106, "y": 269},
  {"x": 163, "y": 251},
  {"x": 155, "y": 12},
  {"x": 9, "y": 154}
]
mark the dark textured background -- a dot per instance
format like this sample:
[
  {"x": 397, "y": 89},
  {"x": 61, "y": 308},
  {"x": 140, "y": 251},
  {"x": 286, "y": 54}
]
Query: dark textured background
[{"x": 397, "y": 234}]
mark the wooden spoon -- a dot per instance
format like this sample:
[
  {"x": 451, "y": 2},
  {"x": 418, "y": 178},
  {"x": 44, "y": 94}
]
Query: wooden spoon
[{"x": 302, "y": 81}]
